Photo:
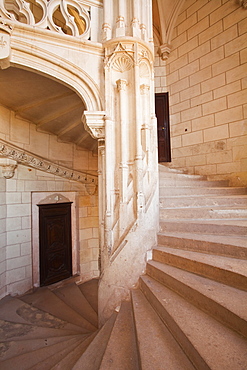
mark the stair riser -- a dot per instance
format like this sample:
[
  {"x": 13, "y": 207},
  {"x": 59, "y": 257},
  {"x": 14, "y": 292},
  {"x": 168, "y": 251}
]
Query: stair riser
[
  {"x": 164, "y": 181},
  {"x": 202, "y": 202},
  {"x": 176, "y": 331},
  {"x": 202, "y": 213},
  {"x": 203, "y": 228},
  {"x": 194, "y": 190},
  {"x": 180, "y": 176},
  {"x": 220, "y": 249},
  {"x": 215, "y": 273},
  {"x": 201, "y": 301}
]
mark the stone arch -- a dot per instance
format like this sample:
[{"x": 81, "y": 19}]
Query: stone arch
[{"x": 55, "y": 67}]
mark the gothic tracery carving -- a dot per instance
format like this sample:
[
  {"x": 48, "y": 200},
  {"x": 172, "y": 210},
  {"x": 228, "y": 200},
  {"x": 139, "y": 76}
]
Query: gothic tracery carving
[{"x": 76, "y": 20}]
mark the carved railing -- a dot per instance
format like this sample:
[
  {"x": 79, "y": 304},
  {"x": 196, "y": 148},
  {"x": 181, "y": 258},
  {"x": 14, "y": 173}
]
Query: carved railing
[
  {"x": 32, "y": 160},
  {"x": 63, "y": 16}
]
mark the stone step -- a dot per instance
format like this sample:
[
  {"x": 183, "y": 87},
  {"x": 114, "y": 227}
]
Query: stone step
[
  {"x": 203, "y": 213},
  {"x": 202, "y": 201},
  {"x": 202, "y": 191},
  {"x": 11, "y": 331},
  {"x": 157, "y": 347},
  {"x": 74, "y": 298},
  {"x": 225, "y": 303},
  {"x": 182, "y": 180},
  {"x": 16, "y": 348},
  {"x": 90, "y": 291},
  {"x": 180, "y": 176},
  {"x": 208, "y": 343},
  {"x": 229, "y": 271},
  {"x": 15, "y": 310},
  {"x": 121, "y": 352},
  {"x": 167, "y": 169},
  {"x": 219, "y": 227},
  {"x": 38, "y": 358},
  {"x": 92, "y": 357},
  {"x": 47, "y": 301},
  {"x": 72, "y": 357},
  {"x": 229, "y": 246}
]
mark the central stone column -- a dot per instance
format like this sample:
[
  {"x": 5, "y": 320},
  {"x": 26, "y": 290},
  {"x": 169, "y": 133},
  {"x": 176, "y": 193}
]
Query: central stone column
[{"x": 130, "y": 154}]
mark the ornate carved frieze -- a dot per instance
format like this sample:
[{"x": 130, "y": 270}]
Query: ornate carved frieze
[
  {"x": 63, "y": 16},
  {"x": 31, "y": 160}
]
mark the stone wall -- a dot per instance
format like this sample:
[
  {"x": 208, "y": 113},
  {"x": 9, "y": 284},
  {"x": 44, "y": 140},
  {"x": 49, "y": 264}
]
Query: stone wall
[
  {"x": 205, "y": 75},
  {"x": 2, "y": 238},
  {"x": 16, "y": 210}
]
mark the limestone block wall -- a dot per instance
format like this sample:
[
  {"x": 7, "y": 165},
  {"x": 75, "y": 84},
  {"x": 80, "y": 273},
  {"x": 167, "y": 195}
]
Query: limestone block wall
[
  {"x": 205, "y": 75},
  {"x": 2, "y": 238},
  {"x": 16, "y": 203}
]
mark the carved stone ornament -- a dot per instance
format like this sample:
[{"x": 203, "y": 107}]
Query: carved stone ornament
[
  {"x": 120, "y": 58},
  {"x": 94, "y": 124},
  {"x": 5, "y": 31},
  {"x": 122, "y": 63},
  {"x": 8, "y": 167},
  {"x": 76, "y": 19},
  {"x": 12, "y": 152},
  {"x": 164, "y": 51}
]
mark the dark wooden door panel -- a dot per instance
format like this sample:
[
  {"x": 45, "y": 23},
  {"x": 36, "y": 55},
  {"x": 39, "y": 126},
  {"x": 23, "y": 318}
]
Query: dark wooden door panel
[
  {"x": 163, "y": 127},
  {"x": 55, "y": 242}
]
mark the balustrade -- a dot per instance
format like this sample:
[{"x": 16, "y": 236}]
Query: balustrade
[{"x": 63, "y": 16}]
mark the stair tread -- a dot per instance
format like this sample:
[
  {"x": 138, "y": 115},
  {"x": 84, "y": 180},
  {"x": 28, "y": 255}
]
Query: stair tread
[
  {"x": 218, "y": 346},
  {"x": 239, "y": 240},
  {"x": 219, "y": 208},
  {"x": 47, "y": 301},
  {"x": 15, "y": 310},
  {"x": 158, "y": 349},
  {"x": 16, "y": 348},
  {"x": 72, "y": 357},
  {"x": 234, "y": 300},
  {"x": 121, "y": 350},
  {"x": 226, "y": 263},
  {"x": 14, "y": 331},
  {"x": 34, "y": 357},
  {"x": 73, "y": 297},
  {"x": 89, "y": 360},
  {"x": 90, "y": 291},
  {"x": 225, "y": 221}
]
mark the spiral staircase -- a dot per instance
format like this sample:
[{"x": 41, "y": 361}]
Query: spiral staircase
[{"x": 189, "y": 311}]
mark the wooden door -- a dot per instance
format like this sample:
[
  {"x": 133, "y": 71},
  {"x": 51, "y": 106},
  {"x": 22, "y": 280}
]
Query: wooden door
[
  {"x": 163, "y": 127},
  {"x": 55, "y": 247}
]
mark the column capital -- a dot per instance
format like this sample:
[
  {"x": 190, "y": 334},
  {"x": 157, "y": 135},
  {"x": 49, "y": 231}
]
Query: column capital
[
  {"x": 121, "y": 84},
  {"x": 94, "y": 123}
]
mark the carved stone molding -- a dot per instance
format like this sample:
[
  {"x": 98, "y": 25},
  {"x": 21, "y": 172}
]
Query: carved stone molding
[
  {"x": 164, "y": 51},
  {"x": 94, "y": 124},
  {"x": 31, "y": 160}
]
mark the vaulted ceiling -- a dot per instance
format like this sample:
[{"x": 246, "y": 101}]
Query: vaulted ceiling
[
  {"x": 53, "y": 107},
  {"x": 165, "y": 13}
]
